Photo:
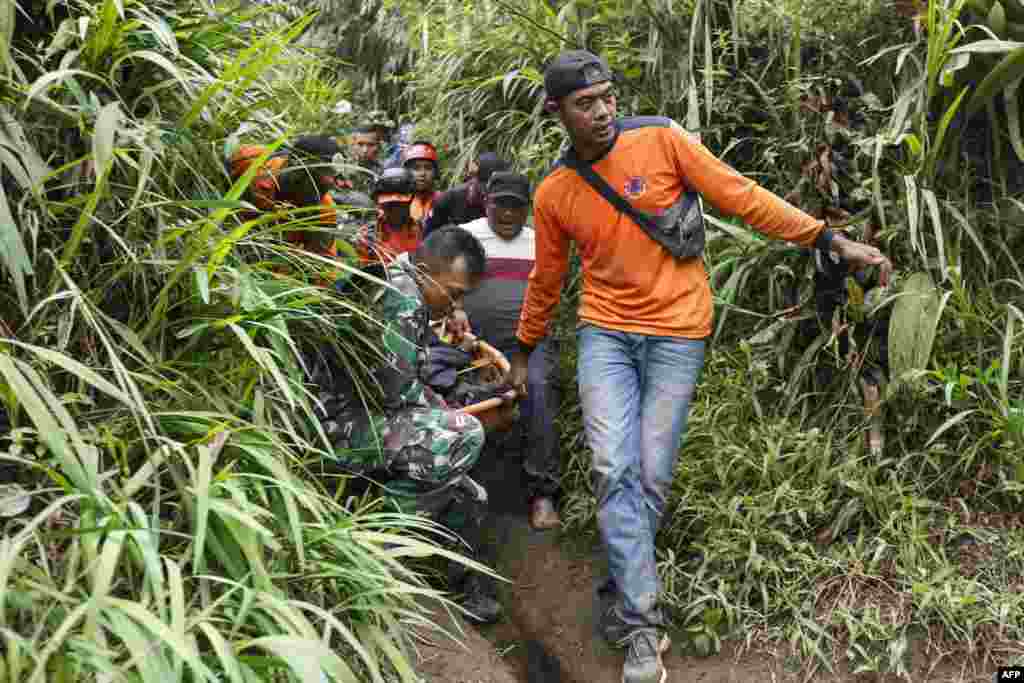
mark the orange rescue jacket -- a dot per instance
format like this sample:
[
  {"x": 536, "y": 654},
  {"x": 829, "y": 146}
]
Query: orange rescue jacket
[{"x": 630, "y": 282}]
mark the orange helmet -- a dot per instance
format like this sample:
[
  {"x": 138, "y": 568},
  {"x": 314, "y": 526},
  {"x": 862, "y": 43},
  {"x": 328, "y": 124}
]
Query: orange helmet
[{"x": 420, "y": 150}]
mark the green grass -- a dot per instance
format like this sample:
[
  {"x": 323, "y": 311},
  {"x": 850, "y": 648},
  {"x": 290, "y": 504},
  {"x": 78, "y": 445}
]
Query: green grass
[{"x": 185, "y": 521}]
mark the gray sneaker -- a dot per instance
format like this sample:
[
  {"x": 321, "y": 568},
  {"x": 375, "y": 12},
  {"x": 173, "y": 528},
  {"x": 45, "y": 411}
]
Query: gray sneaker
[
  {"x": 644, "y": 647},
  {"x": 611, "y": 626},
  {"x": 616, "y": 631}
]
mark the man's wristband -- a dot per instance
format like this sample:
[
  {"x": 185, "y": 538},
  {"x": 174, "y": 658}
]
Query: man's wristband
[
  {"x": 824, "y": 240},
  {"x": 525, "y": 348}
]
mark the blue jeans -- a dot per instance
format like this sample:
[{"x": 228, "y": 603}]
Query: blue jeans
[{"x": 635, "y": 391}]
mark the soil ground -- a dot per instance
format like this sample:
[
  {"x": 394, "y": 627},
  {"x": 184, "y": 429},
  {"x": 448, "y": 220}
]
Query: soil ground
[
  {"x": 548, "y": 633},
  {"x": 459, "y": 653}
]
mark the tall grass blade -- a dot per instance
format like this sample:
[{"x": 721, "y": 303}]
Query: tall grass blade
[{"x": 13, "y": 253}]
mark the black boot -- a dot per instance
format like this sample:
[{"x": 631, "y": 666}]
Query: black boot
[{"x": 478, "y": 598}]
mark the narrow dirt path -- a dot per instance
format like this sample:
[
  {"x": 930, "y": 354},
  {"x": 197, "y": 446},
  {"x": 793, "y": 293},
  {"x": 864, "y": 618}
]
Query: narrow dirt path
[
  {"x": 549, "y": 632},
  {"x": 459, "y": 653}
]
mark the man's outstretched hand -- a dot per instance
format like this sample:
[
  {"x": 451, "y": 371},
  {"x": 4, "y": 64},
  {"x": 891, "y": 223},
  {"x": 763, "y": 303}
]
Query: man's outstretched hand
[
  {"x": 860, "y": 255},
  {"x": 516, "y": 379}
]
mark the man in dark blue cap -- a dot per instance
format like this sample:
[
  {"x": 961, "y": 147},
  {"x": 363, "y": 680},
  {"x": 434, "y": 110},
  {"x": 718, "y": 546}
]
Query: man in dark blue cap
[
  {"x": 494, "y": 310},
  {"x": 645, "y": 313}
]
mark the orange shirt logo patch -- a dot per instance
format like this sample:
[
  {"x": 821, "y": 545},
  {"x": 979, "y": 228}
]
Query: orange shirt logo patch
[{"x": 635, "y": 187}]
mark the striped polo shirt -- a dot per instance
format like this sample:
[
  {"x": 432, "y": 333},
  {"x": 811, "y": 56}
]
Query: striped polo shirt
[{"x": 493, "y": 308}]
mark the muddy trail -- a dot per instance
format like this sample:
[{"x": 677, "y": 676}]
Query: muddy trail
[{"x": 549, "y": 631}]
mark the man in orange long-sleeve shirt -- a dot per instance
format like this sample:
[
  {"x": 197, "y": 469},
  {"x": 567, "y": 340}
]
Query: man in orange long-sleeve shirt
[{"x": 644, "y": 316}]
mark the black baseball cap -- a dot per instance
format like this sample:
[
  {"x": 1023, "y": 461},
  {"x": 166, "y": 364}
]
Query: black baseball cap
[
  {"x": 322, "y": 147},
  {"x": 488, "y": 163},
  {"x": 509, "y": 184},
  {"x": 574, "y": 70}
]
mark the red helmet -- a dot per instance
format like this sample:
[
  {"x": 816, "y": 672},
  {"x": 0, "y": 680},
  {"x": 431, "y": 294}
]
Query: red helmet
[{"x": 419, "y": 150}]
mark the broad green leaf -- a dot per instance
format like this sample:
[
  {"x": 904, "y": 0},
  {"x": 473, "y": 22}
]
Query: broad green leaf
[
  {"x": 233, "y": 204},
  {"x": 948, "y": 424},
  {"x": 204, "y": 476},
  {"x": 50, "y": 431},
  {"x": 1010, "y": 69},
  {"x": 77, "y": 369},
  {"x": 1004, "y": 371},
  {"x": 913, "y": 212},
  {"x": 229, "y": 662},
  {"x": 147, "y": 547},
  {"x": 997, "y": 19},
  {"x": 14, "y": 500},
  {"x": 45, "y": 81},
  {"x": 940, "y": 135},
  {"x": 1011, "y": 98},
  {"x": 161, "y": 30},
  {"x": 179, "y": 616},
  {"x": 160, "y": 61},
  {"x": 876, "y": 181},
  {"x": 149, "y": 661},
  {"x": 8, "y": 23},
  {"x": 308, "y": 659},
  {"x": 940, "y": 238},
  {"x": 915, "y": 317},
  {"x": 29, "y": 169},
  {"x": 988, "y": 47},
  {"x": 202, "y": 285},
  {"x": 13, "y": 253},
  {"x": 955, "y": 63},
  {"x": 102, "y": 38},
  {"x": 103, "y": 138},
  {"x": 102, "y": 578},
  {"x": 898, "y": 120},
  {"x": 965, "y": 225},
  {"x": 181, "y": 647}
]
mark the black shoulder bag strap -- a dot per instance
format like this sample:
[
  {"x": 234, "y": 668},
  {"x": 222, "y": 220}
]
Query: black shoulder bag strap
[{"x": 680, "y": 230}]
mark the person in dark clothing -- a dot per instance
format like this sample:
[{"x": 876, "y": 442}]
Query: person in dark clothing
[
  {"x": 364, "y": 152},
  {"x": 464, "y": 203},
  {"x": 869, "y": 329},
  {"x": 494, "y": 310}
]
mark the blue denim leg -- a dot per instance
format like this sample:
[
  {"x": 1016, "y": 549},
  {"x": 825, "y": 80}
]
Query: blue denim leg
[
  {"x": 608, "y": 373},
  {"x": 635, "y": 392},
  {"x": 542, "y": 457},
  {"x": 672, "y": 368}
]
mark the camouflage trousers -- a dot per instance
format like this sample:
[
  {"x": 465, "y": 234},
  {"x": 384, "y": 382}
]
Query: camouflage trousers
[{"x": 427, "y": 454}]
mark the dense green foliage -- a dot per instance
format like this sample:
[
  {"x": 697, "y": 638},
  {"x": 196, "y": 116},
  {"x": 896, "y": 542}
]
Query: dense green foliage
[
  {"x": 183, "y": 523},
  {"x": 182, "y": 520}
]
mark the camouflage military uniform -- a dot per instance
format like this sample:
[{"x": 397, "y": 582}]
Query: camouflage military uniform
[{"x": 422, "y": 448}]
